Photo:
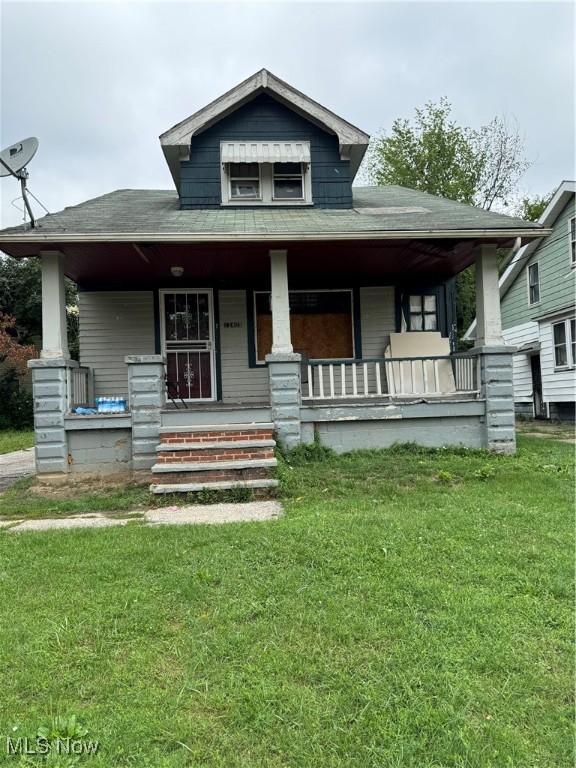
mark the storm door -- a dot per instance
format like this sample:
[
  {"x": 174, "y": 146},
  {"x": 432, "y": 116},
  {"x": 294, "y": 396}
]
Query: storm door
[{"x": 187, "y": 330}]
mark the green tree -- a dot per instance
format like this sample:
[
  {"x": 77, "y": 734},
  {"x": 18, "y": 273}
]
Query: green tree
[
  {"x": 21, "y": 298},
  {"x": 434, "y": 154},
  {"x": 531, "y": 208}
]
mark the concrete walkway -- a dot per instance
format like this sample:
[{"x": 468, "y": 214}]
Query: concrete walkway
[
  {"x": 15, "y": 465},
  {"x": 213, "y": 514}
]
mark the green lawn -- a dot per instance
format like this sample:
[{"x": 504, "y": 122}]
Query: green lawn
[
  {"x": 412, "y": 609},
  {"x": 15, "y": 439}
]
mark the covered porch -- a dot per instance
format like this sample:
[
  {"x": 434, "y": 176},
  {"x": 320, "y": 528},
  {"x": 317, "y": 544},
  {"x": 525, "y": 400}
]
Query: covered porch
[{"x": 131, "y": 293}]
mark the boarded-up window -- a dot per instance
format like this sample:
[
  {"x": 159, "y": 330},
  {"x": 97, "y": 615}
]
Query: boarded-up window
[{"x": 320, "y": 324}]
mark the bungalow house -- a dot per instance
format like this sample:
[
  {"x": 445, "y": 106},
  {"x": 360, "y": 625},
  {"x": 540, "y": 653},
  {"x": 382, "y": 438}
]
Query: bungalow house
[
  {"x": 264, "y": 298},
  {"x": 538, "y": 300}
]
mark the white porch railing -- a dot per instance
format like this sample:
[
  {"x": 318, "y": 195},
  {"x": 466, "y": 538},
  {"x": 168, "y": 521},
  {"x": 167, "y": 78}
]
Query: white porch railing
[
  {"x": 79, "y": 387},
  {"x": 378, "y": 377}
]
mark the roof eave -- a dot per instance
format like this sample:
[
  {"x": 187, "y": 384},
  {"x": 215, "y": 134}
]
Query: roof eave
[{"x": 34, "y": 236}]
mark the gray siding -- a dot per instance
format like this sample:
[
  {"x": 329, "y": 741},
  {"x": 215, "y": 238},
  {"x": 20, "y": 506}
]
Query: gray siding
[
  {"x": 377, "y": 312},
  {"x": 265, "y": 119},
  {"x": 240, "y": 383},
  {"x": 114, "y": 324},
  {"x": 557, "y": 277}
]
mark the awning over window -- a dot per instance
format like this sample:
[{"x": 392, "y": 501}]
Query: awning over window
[{"x": 265, "y": 151}]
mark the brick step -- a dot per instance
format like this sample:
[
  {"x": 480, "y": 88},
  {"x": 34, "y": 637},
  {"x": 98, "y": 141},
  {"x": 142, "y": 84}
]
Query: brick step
[
  {"x": 222, "y": 485},
  {"x": 213, "y": 474},
  {"x": 217, "y": 433},
  {"x": 208, "y": 455},
  {"x": 212, "y": 444}
]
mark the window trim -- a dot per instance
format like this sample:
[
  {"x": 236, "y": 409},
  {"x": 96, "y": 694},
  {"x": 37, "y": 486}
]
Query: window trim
[
  {"x": 422, "y": 313},
  {"x": 528, "y": 268},
  {"x": 236, "y": 200},
  {"x": 572, "y": 241},
  {"x": 355, "y": 340},
  {"x": 568, "y": 343},
  {"x": 266, "y": 177},
  {"x": 300, "y": 176}
]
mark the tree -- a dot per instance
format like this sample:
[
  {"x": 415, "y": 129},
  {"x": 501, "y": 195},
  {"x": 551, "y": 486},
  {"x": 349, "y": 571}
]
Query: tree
[
  {"x": 531, "y": 208},
  {"x": 21, "y": 298},
  {"x": 434, "y": 154}
]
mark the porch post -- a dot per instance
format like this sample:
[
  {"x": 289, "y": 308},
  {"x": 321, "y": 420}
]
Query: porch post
[
  {"x": 50, "y": 373},
  {"x": 281, "y": 341},
  {"x": 488, "y": 320},
  {"x": 283, "y": 363},
  {"x": 494, "y": 357},
  {"x": 54, "y": 331}
]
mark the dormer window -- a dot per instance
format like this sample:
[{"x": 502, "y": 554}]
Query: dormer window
[
  {"x": 266, "y": 173},
  {"x": 288, "y": 181},
  {"x": 244, "y": 181}
]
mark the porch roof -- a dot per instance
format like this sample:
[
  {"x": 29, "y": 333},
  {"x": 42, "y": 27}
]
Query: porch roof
[{"x": 154, "y": 216}]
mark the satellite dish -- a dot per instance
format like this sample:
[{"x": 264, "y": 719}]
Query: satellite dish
[
  {"x": 13, "y": 162},
  {"x": 15, "y": 158}
]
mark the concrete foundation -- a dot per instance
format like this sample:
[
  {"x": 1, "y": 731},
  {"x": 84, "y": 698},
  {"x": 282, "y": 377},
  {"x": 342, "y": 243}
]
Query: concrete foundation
[{"x": 285, "y": 397}]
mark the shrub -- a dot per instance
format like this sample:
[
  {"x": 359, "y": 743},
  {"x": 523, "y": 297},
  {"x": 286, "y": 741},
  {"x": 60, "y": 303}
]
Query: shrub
[{"x": 16, "y": 404}]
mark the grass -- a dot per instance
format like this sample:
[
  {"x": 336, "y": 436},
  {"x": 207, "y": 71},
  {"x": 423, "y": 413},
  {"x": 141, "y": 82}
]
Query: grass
[
  {"x": 413, "y": 609},
  {"x": 16, "y": 439}
]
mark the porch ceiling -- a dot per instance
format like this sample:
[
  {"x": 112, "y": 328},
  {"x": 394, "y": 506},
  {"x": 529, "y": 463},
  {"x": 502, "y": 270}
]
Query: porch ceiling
[{"x": 321, "y": 263}]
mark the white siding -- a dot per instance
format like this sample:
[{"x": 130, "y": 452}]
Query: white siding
[
  {"x": 557, "y": 386},
  {"x": 377, "y": 319},
  {"x": 240, "y": 383},
  {"x": 114, "y": 324},
  {"x": 522, "y": 372}
]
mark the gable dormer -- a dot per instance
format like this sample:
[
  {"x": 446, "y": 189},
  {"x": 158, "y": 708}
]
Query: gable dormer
[{"x": 264, "y": 144}]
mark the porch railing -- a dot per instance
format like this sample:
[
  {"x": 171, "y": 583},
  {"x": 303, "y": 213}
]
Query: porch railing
[
  {"x": 80, "y": 390},
  {"x": 382, "y": 376}
]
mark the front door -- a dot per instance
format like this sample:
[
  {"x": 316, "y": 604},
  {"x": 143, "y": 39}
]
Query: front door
[
  {"x": 187, "y": 329},
  {"x": 539, "y": 405}
]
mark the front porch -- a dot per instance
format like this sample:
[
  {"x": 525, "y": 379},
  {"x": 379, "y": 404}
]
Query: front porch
[{"x": 235, "y": 388}]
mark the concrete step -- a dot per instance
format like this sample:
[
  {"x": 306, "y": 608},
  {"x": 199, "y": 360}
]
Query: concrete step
[
  {"x": 224, "y": 485},
  {"x": 223, "y": 414},
  {"x": 207, "y": 466}
]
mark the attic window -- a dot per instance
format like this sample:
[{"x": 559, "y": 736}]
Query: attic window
[
  {"x": 265, "y": 173},
  {"x": 244, "y": 181}
]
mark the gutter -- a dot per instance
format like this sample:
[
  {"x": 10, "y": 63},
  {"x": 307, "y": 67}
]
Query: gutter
[{"x": 195, "y": 237}]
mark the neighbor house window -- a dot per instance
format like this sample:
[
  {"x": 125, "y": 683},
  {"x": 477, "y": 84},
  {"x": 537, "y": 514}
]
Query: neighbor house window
[
  {"x": 244, "y": 181},
  {"x": 422, "y": 313},
  {"x": 533, "y": 284},
  {"x": 573, "y": 241},
  {"x": 321, "y": 324},
  {"x": 564, "y": 335},
  {"x": 288, "y": 181}
]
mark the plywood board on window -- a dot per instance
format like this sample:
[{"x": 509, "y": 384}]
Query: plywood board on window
[{"x": 318, "y": 335}]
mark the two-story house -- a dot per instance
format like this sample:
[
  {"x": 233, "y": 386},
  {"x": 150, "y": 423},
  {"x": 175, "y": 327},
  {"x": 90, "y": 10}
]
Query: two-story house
[
  {"x": 264, "y": 298},
  {"x": 538, "y": 299}
]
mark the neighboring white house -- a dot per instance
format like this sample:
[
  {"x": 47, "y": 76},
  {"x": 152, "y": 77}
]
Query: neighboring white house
[{"x": 538, "y": 296}]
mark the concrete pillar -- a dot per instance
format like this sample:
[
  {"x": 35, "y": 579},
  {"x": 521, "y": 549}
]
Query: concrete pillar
[
  {"x": 147, "y": 396},
  {"x": 281, "y": 341},
  {"x": 497, "y": 390},
  {"x": 488, "y": 320},
  {"x": 54, "y": 330},
  {"x": 50, "y": 391},
  {"x": 285, "y": 397}
]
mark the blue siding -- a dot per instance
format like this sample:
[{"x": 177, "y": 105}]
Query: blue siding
[{"x": 263, "y": 119}]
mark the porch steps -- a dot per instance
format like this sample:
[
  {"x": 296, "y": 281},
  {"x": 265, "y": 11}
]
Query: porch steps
[
  {"x": 214, "y": 457},
  {"x": 222, "y": 415}
]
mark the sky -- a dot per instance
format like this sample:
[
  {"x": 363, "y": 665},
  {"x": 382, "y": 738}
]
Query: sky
[{"x": 98, "y": 82}]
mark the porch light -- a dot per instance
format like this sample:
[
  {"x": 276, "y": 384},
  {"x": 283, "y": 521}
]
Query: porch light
[{"x": 177, "y": 271}]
